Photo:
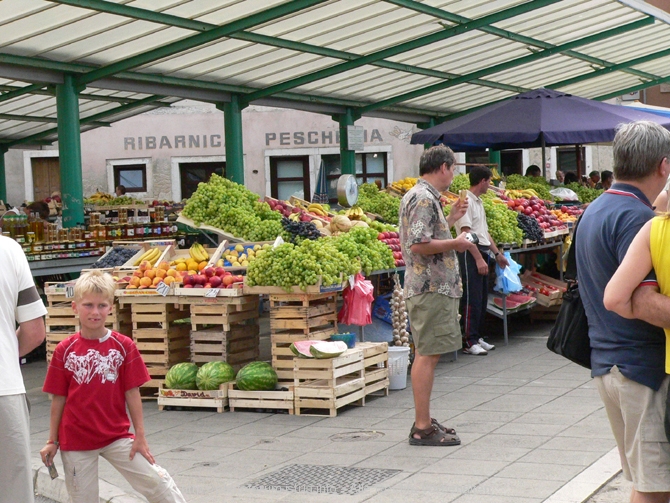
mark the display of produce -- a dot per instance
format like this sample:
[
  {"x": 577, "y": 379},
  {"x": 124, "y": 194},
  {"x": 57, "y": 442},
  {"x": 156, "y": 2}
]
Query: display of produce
[
  {"x": 372, "y": 200},
  {"x": 502, "y": 223},
  {"x": 536, "y": 208},
  {"x": 530, "y": 227},
  {"x": 239, "y": 255},
  {"x": 585, "y": 194},
  {"x": 233, "y": 208},
  {"x": 294, "y": 232},
  {"x": 117, "y": 256},
  {"x": 567, "y": 213},
  {"x": 301, "y": 212},
  {"x": 327, "y": 349},
  {"x": 210, "y": 277},
  {"x": 289, "y": 265},
  {"x": 257, "y": 376},
  {"x": 146, "y": 276},
  {"x": 392, "y": 240},
  {"x": 301, "y": 348},
  {"x": 151, "y": 256},
  {"x": 104, "y": 199},
  {"x": 460, "y": 182},
  {"x": 361, "y": 244},
  {"x": 181, "y": 376},
  {"x": 403, "y": 185},
  {"x": 212, "y": 374},
  {"x": 399, "y": 314},
  {"x": 536, "y": 183}
]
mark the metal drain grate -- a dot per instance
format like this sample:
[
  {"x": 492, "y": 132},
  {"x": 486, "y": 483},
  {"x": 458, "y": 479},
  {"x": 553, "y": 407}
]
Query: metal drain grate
[{"x": 321, "y": 479}]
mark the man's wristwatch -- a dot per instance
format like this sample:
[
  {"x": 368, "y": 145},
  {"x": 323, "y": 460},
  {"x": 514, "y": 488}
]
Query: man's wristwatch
[{"x": 496, "y": 254}]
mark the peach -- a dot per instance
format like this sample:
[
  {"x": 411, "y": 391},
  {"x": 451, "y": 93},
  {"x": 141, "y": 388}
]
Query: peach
[
  {"x": 161, "y": 273},
  {"x": 156, "y": 281},
  {"x": 132, "y": 287},
  {"x": 172, "y": 272},
  {"x": 168, "y": 280},
  {"x": 151, "y": 273},
  {"x": 145, "y": 282},
  {"x": 135, "y": 281},
  {"x": 164, "y": 265},
  {"x": 138, "y": 273},
  {"x": 145, "y": 265}
]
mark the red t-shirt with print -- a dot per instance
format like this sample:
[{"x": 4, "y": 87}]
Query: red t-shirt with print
[{"x": 94, "y": 375}]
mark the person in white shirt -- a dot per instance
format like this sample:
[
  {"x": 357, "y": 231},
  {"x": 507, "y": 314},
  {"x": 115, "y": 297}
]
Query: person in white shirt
[
  {"x": 475, "y": 278},
  {"x": 19, "y": 303}
]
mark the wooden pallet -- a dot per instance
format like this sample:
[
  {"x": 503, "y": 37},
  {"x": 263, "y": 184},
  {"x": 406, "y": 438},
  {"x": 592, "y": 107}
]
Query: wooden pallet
[
  {"x": 156, "y": 316},
  {"x": 303, "y": 316},
  {"x": 224, "y": 315},
  {"x": 324, "y": 385},
  {"x": 238, "y": 346},
  {"x": 217, "y": 399},
  {"x": 271, "y": 400},
  {"x": 376, "y": 372},
  {"x": 149, "y": 390},
  {"x": 163, "y": 347}
]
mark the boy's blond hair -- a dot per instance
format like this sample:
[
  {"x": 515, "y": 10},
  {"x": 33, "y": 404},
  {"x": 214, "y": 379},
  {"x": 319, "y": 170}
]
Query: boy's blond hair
[{"x": 95, "y": 282}]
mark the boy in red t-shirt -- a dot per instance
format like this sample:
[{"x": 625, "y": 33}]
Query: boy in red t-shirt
[{"x": 93, "y": 375}]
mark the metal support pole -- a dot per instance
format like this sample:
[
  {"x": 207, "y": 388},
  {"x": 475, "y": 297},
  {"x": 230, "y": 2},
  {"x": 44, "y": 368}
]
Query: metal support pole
[
  {"x": 347, "y": 157},
  {"x": 3, "y": 180},
  {"x": 232, "y": 120},
  {"x": 430, "y": 124},
  {"x": 544, "y": 157},
  {"x": 494, "y": 158},
  {"x": 69, "y": 152}
]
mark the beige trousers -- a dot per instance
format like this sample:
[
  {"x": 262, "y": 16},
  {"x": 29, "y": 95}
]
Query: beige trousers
[
  {"x": 152, "y": 481},
  {"x": 16, "y": 476}
]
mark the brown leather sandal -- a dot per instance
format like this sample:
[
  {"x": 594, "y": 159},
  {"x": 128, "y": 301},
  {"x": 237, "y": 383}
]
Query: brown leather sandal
[
  {"x": 432, "y": 436},
  {"x": 449, "y": 431}
]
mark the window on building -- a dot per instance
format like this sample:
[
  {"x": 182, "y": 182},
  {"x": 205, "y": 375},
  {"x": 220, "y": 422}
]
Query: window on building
[
  {"x": 371, "y": 167},
  {"x": 132, "y": 176},
  {"x": 511, "y": 162},
  {"x": 568, "y": 161},
  {"x": 479, "y": 157},
  {"x": 192, "y": 173},
  {"x": 289, "y": 176}
]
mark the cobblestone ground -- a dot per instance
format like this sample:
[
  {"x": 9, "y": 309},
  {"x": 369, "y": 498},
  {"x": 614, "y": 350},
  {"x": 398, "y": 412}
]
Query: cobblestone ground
[{"x": 616, "y": 490}]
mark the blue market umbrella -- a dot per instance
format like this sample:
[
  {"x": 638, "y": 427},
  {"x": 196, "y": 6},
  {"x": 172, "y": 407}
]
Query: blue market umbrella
[
  {"x": 321, "y": 191},
  {"x": 538, "y": 118}
]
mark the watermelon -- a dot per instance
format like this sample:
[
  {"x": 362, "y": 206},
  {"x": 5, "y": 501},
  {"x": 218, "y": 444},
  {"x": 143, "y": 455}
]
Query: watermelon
[
  {"x": 301, "y": 348},
  {"x": 257, "y": 376},
  {"x": 181, "y": 376},
  {"x": 510, "y": 303},
  {"x": 521, "y": 299},
  {"x": 328, "y": 349},
  {"x": 212, "y": 374}
]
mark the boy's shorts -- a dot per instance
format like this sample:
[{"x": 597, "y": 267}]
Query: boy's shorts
[
  {"x": 434, "y": 321},
  {"x": 636, "y": 414}
]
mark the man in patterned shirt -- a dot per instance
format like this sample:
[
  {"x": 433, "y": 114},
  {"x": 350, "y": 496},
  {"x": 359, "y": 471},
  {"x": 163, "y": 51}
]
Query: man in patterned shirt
[{"x": 432, "y": 284}]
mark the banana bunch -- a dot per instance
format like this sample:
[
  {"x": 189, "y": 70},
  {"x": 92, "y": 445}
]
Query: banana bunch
[
  {"x": 317, "y": 209},
  {"x": 198, "y": 253},
  {"x": 151, "y": 256},
  {"x": 496, "y": 175},
  {"x": 294, "y": 217},
  {"x": 355, "y": 213},
  {"x": 99, "y": 197},
  {"x": 518, "y": 193},
  {"x": 498, "y": 201},
  {"x": 404, "y": 185}
]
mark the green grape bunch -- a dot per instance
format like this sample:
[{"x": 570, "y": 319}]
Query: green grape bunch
[
  {"x": 361, "y": 245},
  {"x": 537, "y": 183},
  {"x": 502, "y": 222},
  {"x": 372, "y": 200},
  {"x": 460, "y": 182},
  {"x": 233, "y": 208},
  {"x": 585, "y": 194}
]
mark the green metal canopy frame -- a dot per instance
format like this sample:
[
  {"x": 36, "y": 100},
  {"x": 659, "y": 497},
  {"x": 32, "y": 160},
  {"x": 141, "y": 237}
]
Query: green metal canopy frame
[{"x": 68, "y": 81}]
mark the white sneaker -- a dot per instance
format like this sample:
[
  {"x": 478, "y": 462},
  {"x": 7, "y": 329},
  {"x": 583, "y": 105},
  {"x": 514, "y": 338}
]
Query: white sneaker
[
  {"x": 486, "y": 345},
  {"x": 475, "y": 349}
]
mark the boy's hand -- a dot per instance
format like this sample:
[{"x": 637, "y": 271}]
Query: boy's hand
[
  {"x": 50, "y": 450},
  {"x": 140, "y": 445}
]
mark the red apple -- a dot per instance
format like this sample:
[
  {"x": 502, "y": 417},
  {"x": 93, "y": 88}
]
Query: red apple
[
  {"x": 215, "y": 281},
  {"x": 208, "y": 271},
  {"x": 198, "y": 286},
  {"x": 188, "y": 286},
  {"x": 219, "y": 271},
  {"x": 189, "y": 280}
]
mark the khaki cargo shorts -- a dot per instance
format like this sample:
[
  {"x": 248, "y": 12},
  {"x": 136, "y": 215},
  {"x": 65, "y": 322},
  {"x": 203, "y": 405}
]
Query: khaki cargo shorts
[
  {"x": 434, "y": 321},
  {"x": 636, "y": 414}
]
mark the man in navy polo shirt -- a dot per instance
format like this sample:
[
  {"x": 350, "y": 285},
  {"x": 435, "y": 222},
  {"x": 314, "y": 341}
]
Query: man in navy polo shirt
[{"x": 628, "y": 356}]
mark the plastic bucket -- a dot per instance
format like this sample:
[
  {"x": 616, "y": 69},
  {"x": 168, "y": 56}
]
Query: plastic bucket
[{"x": 398, "y": 362}]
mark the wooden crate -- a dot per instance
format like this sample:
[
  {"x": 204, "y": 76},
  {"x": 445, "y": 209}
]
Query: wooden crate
[
  {"x": 376, "y": 372},
  {"x": 120, "y": 319},
  {"x": 156, "y": 315},
  {"x": 61, "y": 317},
  {"x": 238, "y": 346},
  {"x": 224, "y": 313},
  {"x": 159, "y": 340},
  {"x": 278, "y": 400},
  {"x": 544, "y": 313},
  {"x": 54, "y": 338},
  {"x": 217, "y": 399},
  {"x": 149, "y": 390},
  {"x": 324, "y": 385},
  {"x": 303, "y": 316}
]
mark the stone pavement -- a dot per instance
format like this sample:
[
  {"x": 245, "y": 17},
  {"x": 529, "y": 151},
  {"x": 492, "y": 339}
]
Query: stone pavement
[{"x": 532, "y": 426}]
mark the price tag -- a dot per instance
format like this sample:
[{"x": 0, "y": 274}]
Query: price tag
[
  {"x": 162, "y": 288},
  {"x": 69, "y": 291},
  {"x": 212, "y": 292}
]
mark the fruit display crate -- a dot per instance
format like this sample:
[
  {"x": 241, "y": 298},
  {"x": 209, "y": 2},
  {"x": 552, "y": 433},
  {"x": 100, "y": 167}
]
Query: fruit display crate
[
  {"x": 58, "y": 292},
  {"x": 224, "y": 313},
  {"x": 303, "y": 316},
  {"x": 163, "y": 246},
  {"x": 238, "y": 346},
  {"x": 278, "y": 400},
  {"x": 544, "y": 313},
  {"x": 217, "y": 399},
  {"x": 157, "y": 373},
  {"x": 324, "y": 385},
  {"x": 376, "y": 371},
  {"x": 54, "y": 338},
  {"x": 318, "y": 288},
  {"x": 60, "y": 316}
]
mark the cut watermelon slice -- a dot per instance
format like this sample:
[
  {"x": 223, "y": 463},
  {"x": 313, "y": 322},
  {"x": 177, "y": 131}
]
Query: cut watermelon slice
[
  {"x": 521, "y": 299},
  {"x": 510, "y": 303},
  {"x": 301, "y": 348}
]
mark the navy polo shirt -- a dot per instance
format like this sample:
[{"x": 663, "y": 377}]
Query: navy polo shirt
[{"x": 605, "y": 231}]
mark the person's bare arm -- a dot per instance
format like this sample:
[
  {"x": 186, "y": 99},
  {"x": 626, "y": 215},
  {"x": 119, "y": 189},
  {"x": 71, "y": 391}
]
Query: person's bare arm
[
  {"x": 435, "y": 246},
  {"x": 30, "y": 334},
  {"x": 57, "y": 406},
  {"x": 482, "y": 264},
  {"x": 140, "y": 443},
  {"x": 635, "y": 266},
  {"x": 661, "y": 202},
  {"x": 651, "y": 306}
]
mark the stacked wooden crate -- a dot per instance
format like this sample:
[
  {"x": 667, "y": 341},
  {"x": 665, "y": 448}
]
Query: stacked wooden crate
[
  {"x": 280, "y": 400},
  {"x": 161, "y": 342},
  {"x": 225, "y": 329},
  {"x": 298, "y": 317},
  {"x": 376, "y": 367},
  {"x": 324, "y": 385}
]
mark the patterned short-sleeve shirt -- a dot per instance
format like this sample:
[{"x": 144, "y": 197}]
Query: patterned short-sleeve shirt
[{"x": 421, "y": 221}]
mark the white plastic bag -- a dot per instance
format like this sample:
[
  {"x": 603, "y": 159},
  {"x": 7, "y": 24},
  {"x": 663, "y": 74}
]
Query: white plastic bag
[{"x": 564, "y": 194}]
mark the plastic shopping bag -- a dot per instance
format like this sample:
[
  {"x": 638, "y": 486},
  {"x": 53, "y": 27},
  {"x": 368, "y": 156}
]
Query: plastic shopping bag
[
  {"x": 507, "y": 279},
  {"x": 357, "y": 305}
]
